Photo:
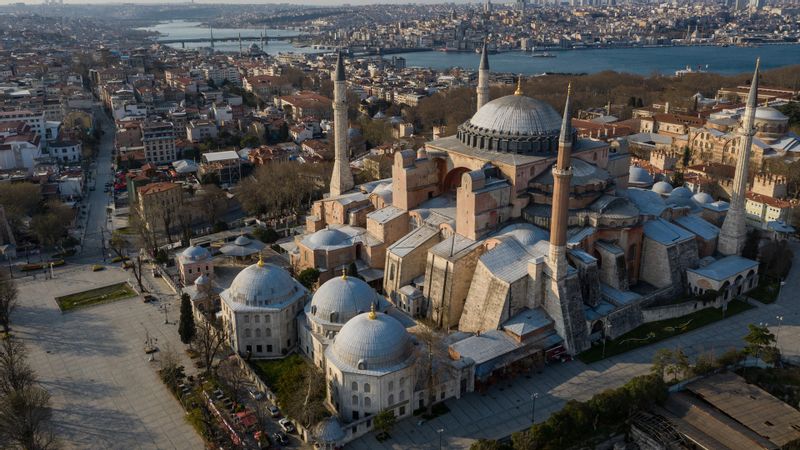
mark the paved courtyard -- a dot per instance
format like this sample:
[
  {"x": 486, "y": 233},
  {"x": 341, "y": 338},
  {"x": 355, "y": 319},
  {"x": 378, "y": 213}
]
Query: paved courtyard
[
  {"x": 506, "y": 407},
  {"x": 105, "y": 392}
]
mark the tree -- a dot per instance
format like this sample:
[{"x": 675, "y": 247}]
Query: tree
[
  {"x": 758, "y": 339},
  {"x": 301, "y": 392},
  {"x": 751, "y": 243},
  {"x": 25, "y": 419},
  {"x": 233, "y": 375},
  {"x": 266, "y": 235},
  {"x": 186, "y": 328},
  {"x": 678, "y": 179},
  {"x": 50, "y": 225},
  {"x": 8, "y": 300},
  {"x": 171, "y": 371},
  {"x": 209, "y": 340},
  {"x": 681, "y": 363},
  {"x": 661, "y": 360},
  {"x": 119, "y": 246},
  {"x": 15, "y": 373},
  {"x": 250, "y": 141},
  {"x": 308, "y": 277},
  {"x": 488, "y": 444},
  {"x": 384, "y": 421},
  {"x": 213, "y": 203},
  {"x": 434, "y": 360}
]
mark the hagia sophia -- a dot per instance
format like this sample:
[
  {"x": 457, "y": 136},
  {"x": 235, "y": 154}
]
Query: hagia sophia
[{"x": 519, "y": 241}]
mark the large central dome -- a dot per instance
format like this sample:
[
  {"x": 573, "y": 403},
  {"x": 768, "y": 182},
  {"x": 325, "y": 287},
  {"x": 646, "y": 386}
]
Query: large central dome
[{"x": 513, "y": 124}]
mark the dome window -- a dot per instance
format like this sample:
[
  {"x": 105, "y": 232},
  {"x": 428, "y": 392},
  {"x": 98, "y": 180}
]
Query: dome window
[{"x": 362, "y": 365}]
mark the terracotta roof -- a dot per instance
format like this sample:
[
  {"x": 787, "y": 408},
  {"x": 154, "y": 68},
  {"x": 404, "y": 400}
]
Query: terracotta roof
[
  {"x": 771, "y": 201},
  {"x": 153, "y": 188}
]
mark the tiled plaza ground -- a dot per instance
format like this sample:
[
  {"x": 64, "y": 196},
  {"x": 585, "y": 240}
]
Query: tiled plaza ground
[{"x": 105, "y": 392}]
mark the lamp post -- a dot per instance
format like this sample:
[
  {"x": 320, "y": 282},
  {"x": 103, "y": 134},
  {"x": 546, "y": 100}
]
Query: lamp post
[
  {"x": 605, "y": 337},
  {"x": 534, "y": 396},
  {"x": 439, "y": 432},
  {"x": 165, "y": 308},
  {"x": 778, "y": 333}
]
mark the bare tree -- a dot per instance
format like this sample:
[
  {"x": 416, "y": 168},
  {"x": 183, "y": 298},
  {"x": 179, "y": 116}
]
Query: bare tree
[
  {"x": 214, "y": 203},
  {"x": 25, "y": 419},
  {"x": 209, "y": 340},
  {"x": 147, "y": 237},
  {"x": 15, "y": 373},
  {"x": 185, "y": 217},
  {"x": 119, "y": 246},
  {"x": 8, "y": 300},
  {"x": 302, "y": 394},
  {"x": 233, "y": 375},
  {"x": 434, "y": 367}
]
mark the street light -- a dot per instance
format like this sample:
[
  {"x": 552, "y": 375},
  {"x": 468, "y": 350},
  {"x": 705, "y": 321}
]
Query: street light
[
  {"x": 778, "y": 333},
  {"x": 165, "y": 308},
  {"x": 439, "y": 432},
  {"x": 534, "y": 396}
]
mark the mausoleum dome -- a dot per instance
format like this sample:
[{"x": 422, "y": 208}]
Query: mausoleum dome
[
  {"x": 342, "y": 298},
  {"x": 262, "y": 285},
  {"x": 662, "y": 187},
  {"x": 372, "y": 341},
  {"x": 194, "y": 254}
]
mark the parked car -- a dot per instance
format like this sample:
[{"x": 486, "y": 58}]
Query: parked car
[
  {"x": 280, "y": 438},
  {"x": 256, "y": 394},
  {"x": 274, "y": 411},
  {"x": 286, "y": 425}
]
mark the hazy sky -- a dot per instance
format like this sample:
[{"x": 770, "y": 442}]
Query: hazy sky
[{"x": 297, "y": 2}]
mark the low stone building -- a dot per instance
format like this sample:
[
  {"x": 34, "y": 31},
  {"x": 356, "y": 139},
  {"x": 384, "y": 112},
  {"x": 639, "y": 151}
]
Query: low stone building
[{"x": 194, "y": 262}]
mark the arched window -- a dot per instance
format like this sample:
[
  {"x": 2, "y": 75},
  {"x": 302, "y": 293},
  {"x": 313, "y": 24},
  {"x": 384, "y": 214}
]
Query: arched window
[
  {"x": 258, "y": 332},
  {"x": 391, "y": 385},
  {"x": 391, "y": 399},
  {"x": 267, "y": 332},
  {"x": 354, "y": 386},
  {"x": 366, "y": 387},
  {"x": 367, "y": 402},
  {"x": 402, "y": 395},
  {"x": 355, "y": 400},
  {"x": 247, "y": 332}
]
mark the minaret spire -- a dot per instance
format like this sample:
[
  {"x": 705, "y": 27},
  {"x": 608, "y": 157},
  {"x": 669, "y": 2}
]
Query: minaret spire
[
  {"x": 483, "y": 77},
  {"x": 733, "y": 233},
  {"x": 562, "y": 175},
  {"x": 341, "y": 178}
]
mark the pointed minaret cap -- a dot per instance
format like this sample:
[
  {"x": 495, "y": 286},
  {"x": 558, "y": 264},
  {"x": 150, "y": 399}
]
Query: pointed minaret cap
[
  {"x": 339, "y": 67},
  {"x": 752, "y": 97},
  {"x": 484, "y": 58},
  {"x": 566, "y": 121},
  {"x": 519, "y": 85}
]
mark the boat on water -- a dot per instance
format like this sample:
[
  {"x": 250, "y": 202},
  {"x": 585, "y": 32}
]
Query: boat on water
[
  {"x": 689, "y": 70},
  {"x": 543, "y": 55}
]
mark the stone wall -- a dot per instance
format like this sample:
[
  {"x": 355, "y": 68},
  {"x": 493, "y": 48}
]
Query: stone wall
[
  {"x": 447, "y": 284},
  {"x": 654, "y": 314},
  {"x": 589, "y": 277},
  {"x": 665, "y": 266}
]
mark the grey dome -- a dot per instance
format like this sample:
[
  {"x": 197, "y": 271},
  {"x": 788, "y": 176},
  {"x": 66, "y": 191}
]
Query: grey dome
[
  {"x": 662, "y": 187},
  {"x": 513, "y": 124},
  {"x": 702, "y": 198},
  {"x": 372, "y": 341},
  {"x": 260, "y": 285},
  {"x": 681, "y": 192},
  {"x": 328, "y": 237},
  {"x": 194, "y": 254},
  {"x": 771, "y": 114},
  {"x": 639, "y": 176},
  {"x": 329, "y": 431},
  {"x": 342, "y": 298},
  {"x": 525, "y": 233},
  {"x": 202, "y": 280},
  {"x": 242, "y": 240}
]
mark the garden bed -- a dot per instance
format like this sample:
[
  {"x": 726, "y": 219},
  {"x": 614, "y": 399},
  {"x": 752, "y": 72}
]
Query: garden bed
[
  {"x": 653, "y": 332},
  {"x": 97, "y": 296},
  {"x": 767, "y": 290}
]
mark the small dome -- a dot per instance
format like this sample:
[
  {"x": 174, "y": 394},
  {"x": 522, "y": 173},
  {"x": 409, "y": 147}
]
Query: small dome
[
  {"x": 242, "y": 240},
  {"x": 639, "y": 176},
  {"x": 525, "y": 233},
  {"x": 662, "y": 187},
  {"x": 771, "y": 114},
  {"x": 202, "y": 280},
  {"x": 329, "y": 431},
  {"x": 329, "y": 237},
  {"x": 194, "y": 254},
  {"x": 342, "y": 298},
  {"x": 260, "y": 285},
  {"x": 372, "y": 341},
  {"x": 702, "y": 198},
  {"x": 681, "y": 192}
]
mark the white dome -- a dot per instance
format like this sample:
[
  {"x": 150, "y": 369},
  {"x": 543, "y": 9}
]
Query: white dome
[
  {"x": 328, "y": 237},
  {"x": 342, "y": 298},
  {"x": 702, "y": 198},
  {"x": 525, "y": 233},
  {"x": 261, "y": 285},
  {"x": 194, "y": 254},
  {"x": 517, "y": 115},
  {"x": 639, "y": 176},
  {"x": 202, "y": 280},
  {"x": 662, "y": 187},
  {"x": 242, "y": 240},
  {"x": 771, "y": 114},
  {"x": 681, "y": 192},
  {"x": 372, "y": 341}
]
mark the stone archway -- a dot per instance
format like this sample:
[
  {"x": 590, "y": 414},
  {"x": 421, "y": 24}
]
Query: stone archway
[{"x": 452, "y": 180}]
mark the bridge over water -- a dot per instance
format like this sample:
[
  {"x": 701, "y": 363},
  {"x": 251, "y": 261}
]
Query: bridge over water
[{"x": 228, "y": 39}]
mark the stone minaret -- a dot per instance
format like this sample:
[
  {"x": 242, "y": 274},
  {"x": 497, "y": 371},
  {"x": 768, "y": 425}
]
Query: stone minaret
[
  {"x": 483, "y": 78},
  {"x": 562, "y": 174},
  {"x": 734, "y": 230},
  {"x": 341, "y": 178}
]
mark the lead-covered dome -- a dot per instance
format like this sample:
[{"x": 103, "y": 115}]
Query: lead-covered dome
[
  {"x": 372, "y": 341},
  {"x": 262, "y": 285},
  {"x": 703, "y": 198},
  {"x": 662, "y": 187},
  {"x": 513, "y": 124},
  {"x": 342, "y": 298},
  {"x": 326, "y": 238},
  {"x": 194, "y": 254}
]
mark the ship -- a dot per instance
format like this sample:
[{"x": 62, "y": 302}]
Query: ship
[
  {"x": 689, "y": 70},
  {"x": 543, "y": 55}
]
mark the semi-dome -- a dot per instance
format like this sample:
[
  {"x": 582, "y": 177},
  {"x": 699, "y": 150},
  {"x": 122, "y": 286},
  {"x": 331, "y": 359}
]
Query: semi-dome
[
  {"x": 703, "y": 198},
  {"x": 329, "y": 237},
  {"x": 372, "y": 341},
  {"x": 662, "y": 187},
  {"x": 681, "y": 192},
  {"x": 342, "y": 298},
  {"x": 771, "y": 114},
  {"x": 262, "y": 285},
  {"x": 194, "y": 254},
  {"x": 513, "y": 124},
  {"x": 202, "y": 280},
  {"x": 639, "y": 177}
]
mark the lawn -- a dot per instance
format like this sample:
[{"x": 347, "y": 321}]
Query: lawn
[
  {"x": 766, "y": 291},
  {"x": 650, "y": 333},
  {"x": 271, "y": 370},
  {"x": 91, "y": 297}
]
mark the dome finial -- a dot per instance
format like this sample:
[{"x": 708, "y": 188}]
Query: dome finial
[
  {"x": 344, "y": 273},
  {"x": 372, "y": 315},
  {"x": 519, "y": 85},
  {"x": 260, "y": 260}
]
